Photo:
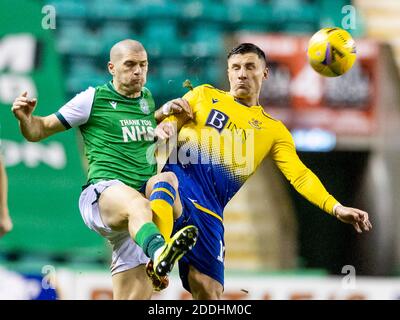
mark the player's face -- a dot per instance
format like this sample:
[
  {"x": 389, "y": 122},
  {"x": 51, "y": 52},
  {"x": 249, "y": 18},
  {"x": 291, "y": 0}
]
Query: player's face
[
  {"x": 246, "y": 73},
  {"x": 131, "y": 70}
]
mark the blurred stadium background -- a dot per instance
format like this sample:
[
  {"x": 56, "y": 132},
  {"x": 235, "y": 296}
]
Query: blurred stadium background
[{"x": 278, "y": 246}]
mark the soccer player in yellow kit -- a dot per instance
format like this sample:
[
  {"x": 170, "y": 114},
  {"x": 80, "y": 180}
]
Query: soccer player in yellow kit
[{"x": 218, "y": 150}]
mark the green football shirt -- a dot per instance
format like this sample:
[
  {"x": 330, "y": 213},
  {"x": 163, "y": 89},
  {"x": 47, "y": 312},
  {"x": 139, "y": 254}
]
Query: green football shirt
[{"x": 118, "y": 133}]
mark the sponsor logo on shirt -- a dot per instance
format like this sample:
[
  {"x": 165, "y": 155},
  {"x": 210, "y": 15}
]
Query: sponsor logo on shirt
[
  {"x": 217, "y": 119},
  {"x": 255, "y": 123},
  {"x": 137, "y": 130}
]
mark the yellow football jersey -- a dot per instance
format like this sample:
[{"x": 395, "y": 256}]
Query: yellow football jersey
[{"x": 224, "y": 144}]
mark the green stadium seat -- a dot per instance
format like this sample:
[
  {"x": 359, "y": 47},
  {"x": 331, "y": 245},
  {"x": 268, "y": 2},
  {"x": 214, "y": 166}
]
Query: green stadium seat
[
  {"x": 171, "y": 76},
  {"x": 115, "y": 10},
  {"x": 169, "y": 69},
  {"x": 287, "y": 11},
  {"x": 160, "y": 38},
  {"x": 183, "y": 29},
  {"x": 206, "y": 40},
  {"x": 206, "y": 11},
  {"x": 70, "y": 8},
  {"x": 83, "y": 73},
  {"x": 207, "y": 70},
  {"x": 160, "y": 30},
  {"x": 252, "y": 3},
  {"x": 255, "y": 28},
  {"x": 299, "y": 28},
  {"x": 155, "y": 9},
  {"x": 113, "y": 32},
  {"x": 78, "y": 83},
  {"x": 214, "y": 72},
  {"x": 155, "y": 85},
  {"x": 249, "y": 14},
  {"x": 76, "y": 40}
]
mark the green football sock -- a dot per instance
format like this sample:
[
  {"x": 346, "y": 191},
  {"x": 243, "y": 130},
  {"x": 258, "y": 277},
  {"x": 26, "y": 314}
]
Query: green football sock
[{"x": 149, "y": 239}]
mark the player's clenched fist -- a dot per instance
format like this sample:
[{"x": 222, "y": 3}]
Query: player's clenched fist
[
  {"x": 23, "y": 106},
  {"x": 165, "y": 130}
]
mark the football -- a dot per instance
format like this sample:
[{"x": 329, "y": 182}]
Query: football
[{"x": 331, "y": 52}]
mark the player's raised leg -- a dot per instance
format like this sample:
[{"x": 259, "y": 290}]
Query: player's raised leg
[
  {"x": 162, "y": 191},
  {"x": 124, "y": 208}
]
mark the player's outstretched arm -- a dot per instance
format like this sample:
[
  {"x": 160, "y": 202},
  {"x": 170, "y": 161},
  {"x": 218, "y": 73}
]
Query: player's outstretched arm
[
  {"x": 34, "y": 128},
  {"x": 5, "y": 220},
  {"x": 358, "y": 218},
  {"x": 309, "y": 186}
]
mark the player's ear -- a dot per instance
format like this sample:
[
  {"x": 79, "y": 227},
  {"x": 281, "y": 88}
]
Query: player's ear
[
  {"x": 266, "y": 73},
  {"x": 111, "y": 69}
]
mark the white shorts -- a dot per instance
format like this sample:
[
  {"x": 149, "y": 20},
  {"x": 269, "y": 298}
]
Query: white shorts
[{"x": 126, "y": 254}]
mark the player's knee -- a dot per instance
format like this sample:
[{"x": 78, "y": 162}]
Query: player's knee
[
  {"x": 117, "y": 212},
  {"x": 139, "y": 208},
  {"x": 169, "y": 177},
  {"x": 204, "y": 288}
]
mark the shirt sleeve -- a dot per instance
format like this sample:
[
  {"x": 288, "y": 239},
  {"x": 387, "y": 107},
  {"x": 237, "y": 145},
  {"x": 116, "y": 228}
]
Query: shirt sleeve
[
  {"x": 302, "y": 178},
  {"x": 193, "y": 97},
  {"x": 77, "y": 111}
]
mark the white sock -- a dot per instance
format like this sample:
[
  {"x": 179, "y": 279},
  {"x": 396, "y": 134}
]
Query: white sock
[{"x": 158, "y": 252}]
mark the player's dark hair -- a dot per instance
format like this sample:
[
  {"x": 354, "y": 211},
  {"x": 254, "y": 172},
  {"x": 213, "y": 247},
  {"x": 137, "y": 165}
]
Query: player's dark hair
[{"x": 248, "y": 48}]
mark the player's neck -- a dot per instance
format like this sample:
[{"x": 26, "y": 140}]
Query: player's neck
[
  {"x": 124, "y": 91},
  {"x": 250, "y": 101}
]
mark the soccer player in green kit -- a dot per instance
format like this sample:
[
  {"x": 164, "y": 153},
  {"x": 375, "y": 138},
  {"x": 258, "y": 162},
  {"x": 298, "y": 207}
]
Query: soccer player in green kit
[{"x": 117, "y": 121}]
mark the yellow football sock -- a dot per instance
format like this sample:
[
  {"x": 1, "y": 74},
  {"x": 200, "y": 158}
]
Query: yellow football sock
[{"x": 161, "y": 202}]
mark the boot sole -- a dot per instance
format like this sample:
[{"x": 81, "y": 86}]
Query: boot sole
[{"x": 184, "y": 242}]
